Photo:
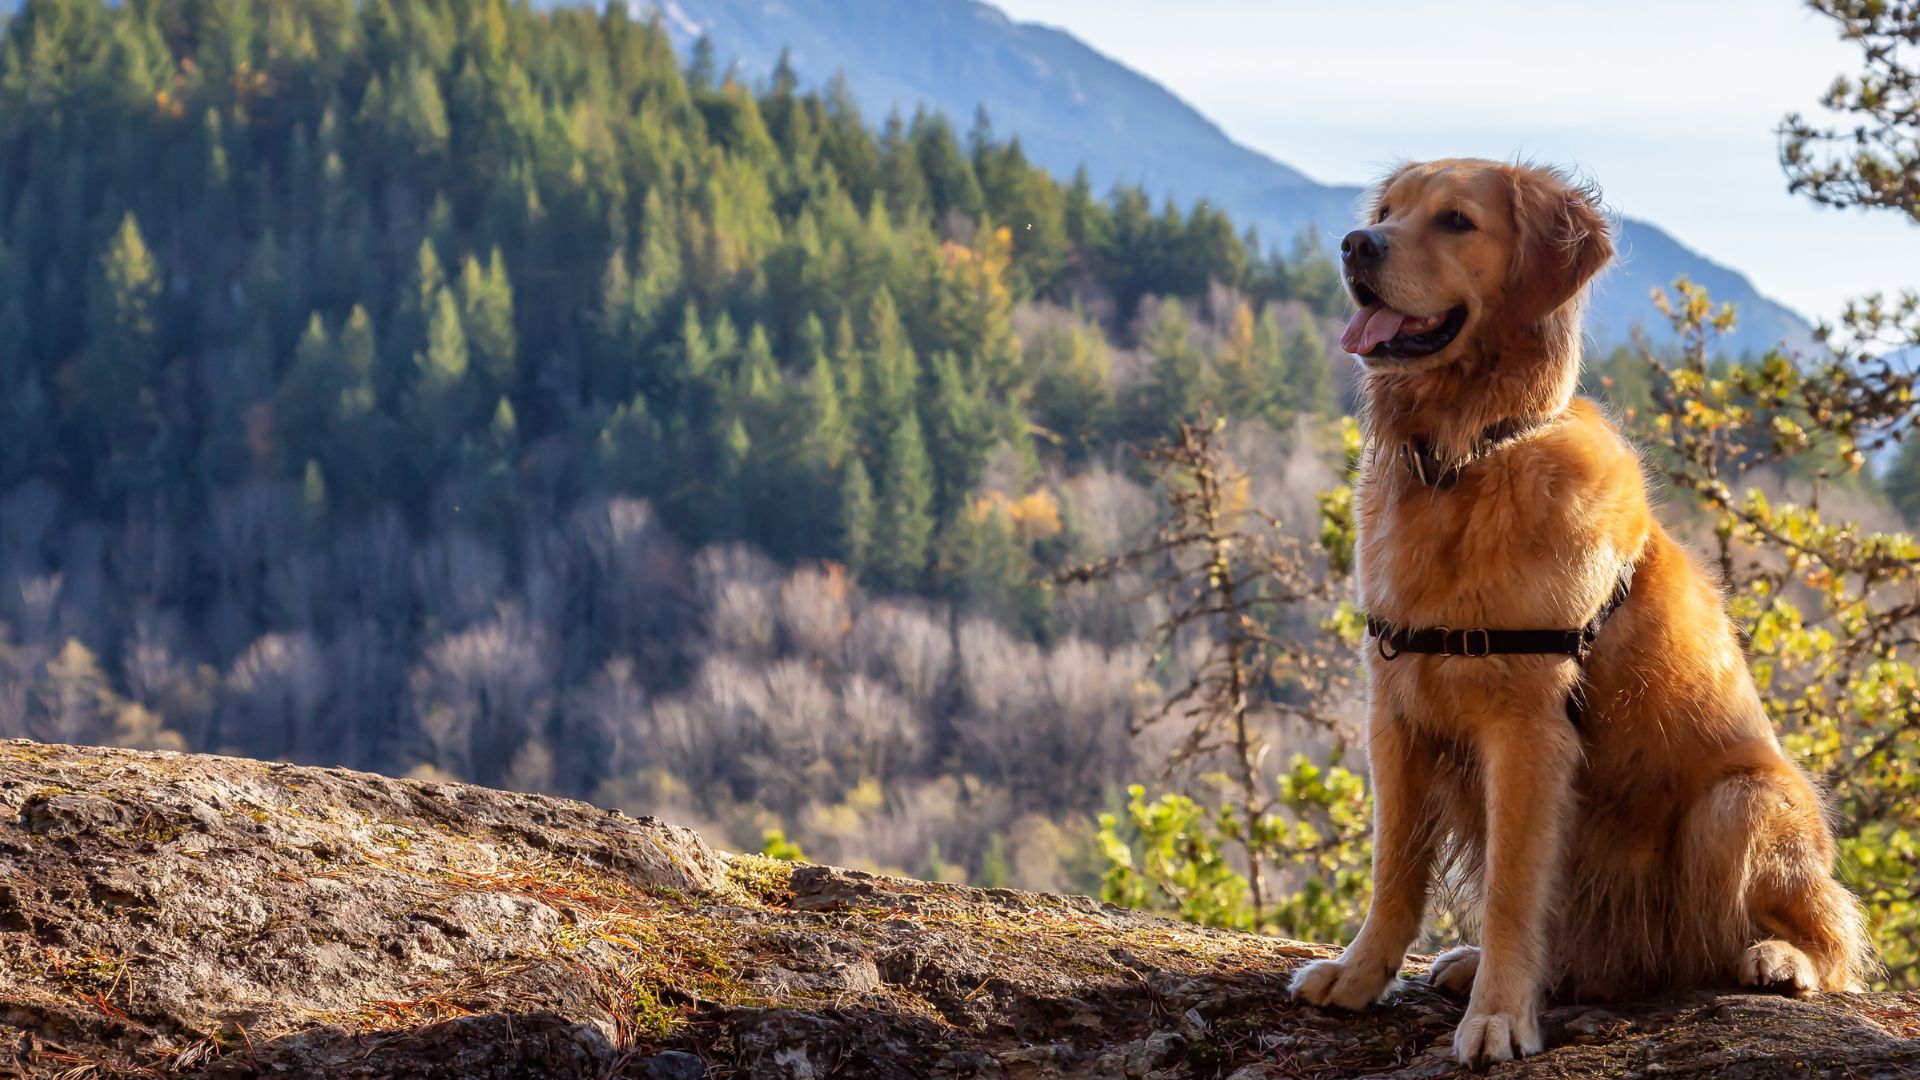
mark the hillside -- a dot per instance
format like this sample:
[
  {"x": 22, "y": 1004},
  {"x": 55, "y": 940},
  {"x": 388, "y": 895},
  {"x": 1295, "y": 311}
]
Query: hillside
[
  {"x": 168, "y": 915},
  {"x": 1070, "y": 105},
  {"x": 474, "y": 388}
]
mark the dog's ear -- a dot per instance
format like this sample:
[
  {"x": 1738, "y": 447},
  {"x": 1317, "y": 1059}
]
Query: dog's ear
[{"x": 1560, "y": 240}]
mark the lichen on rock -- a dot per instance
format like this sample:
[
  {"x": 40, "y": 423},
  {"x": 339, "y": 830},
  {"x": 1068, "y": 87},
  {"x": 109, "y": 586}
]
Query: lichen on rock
[{"x": 198, "y": 916}]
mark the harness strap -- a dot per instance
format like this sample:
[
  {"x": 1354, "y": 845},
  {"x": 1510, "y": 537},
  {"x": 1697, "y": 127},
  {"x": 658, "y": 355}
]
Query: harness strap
[{"x": 1476, "y": 643}]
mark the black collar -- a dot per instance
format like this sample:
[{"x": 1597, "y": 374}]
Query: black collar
[{"x": 1426, "y": 466}]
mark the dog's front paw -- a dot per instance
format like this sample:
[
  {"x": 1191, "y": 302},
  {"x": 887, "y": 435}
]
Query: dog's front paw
[
  {"x": 1340, "y": 983},
  {"x": 1489, "y": 1035},
  {"x": 1775, "y": 965},
  {"x": 1453, "y": 970}
]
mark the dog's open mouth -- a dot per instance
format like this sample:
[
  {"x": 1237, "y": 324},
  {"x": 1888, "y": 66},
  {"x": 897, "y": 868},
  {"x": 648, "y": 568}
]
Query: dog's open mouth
[{"x": 1377, "y": 330}]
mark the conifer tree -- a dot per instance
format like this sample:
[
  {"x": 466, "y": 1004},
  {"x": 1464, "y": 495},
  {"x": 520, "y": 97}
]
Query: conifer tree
[
  {"x": 1274, "y": 389},
  {"x": 111, "y": 404},
  {"x": 858, "y": 518},
  {"x": 486, "y": 305},
  {"x": 962, "y": 421},
  {"x": 1308, "y": 372},
  {"x": 419, "y": 295},
  {"x": 893, "y": 372},
  {"x": 904, "y": 524},
  {"x": 850, "y": 371},
  {"x": 304, "y": 407},
  {"x": 440, "y": 394},
  {"x": 827, "y": 436},
  {"x": 1179, "y": 369},
  {"x": 1237, "y": 363},
  {"x": 1073, "y": 396}
]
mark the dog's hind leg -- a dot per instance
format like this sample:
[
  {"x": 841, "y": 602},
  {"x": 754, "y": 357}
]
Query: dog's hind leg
[
  {"x": 1453, "y": 971},
  {"x": 1763, "y": 873}
]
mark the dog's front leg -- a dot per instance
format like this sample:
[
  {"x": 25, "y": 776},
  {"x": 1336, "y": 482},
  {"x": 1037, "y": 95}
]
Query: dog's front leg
[
  {"x": 1400, "y": 768},
  {"x": 1528, "y": 761}
]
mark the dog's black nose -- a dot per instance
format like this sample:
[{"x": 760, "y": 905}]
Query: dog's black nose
[{"x": 1363, "y": 246}]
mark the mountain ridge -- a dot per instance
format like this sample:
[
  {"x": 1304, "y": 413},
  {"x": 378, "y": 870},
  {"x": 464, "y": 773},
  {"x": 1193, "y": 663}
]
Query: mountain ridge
[{"x": 1071, "y": 105}]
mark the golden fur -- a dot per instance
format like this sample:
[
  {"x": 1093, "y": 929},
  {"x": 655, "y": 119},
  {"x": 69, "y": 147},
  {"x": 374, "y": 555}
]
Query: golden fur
[{"x": 1666, "y": 843}]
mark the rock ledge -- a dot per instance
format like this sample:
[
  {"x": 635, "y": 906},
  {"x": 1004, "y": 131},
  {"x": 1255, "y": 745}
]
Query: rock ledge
[{"x": 170, "y": 915}]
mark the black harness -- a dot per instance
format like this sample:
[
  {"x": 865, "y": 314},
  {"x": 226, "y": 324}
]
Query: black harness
[{"x": 1428, "y": 469}]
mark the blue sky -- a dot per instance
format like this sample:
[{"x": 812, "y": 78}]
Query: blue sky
[{"x": 1670, "y": 105}]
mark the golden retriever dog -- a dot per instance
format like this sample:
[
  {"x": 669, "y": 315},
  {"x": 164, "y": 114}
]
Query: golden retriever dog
[{"x": 1560, "y": 709}]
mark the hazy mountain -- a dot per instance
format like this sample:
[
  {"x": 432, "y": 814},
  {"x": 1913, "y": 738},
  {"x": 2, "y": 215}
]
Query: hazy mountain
[{"x": 1069, "y": 105}]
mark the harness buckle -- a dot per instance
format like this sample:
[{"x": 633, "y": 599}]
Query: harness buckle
[
  {"x": 1446, "y": 639},
  {"x": 1466, "y": 642}
]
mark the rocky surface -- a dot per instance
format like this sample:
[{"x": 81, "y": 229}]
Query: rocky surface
[{"x": 191, "y": 916}]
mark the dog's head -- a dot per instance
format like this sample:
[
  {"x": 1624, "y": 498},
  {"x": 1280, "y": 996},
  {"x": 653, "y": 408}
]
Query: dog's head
[{"x": 1463, "y": 254}]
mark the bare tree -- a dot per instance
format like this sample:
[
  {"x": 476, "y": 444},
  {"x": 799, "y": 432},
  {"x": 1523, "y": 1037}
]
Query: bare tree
[
  {"x": 275, "y": 691},
  {"x": 457, "y": 579},
  {"x": 816, "y": 611},
  {"x": 1227, "y": 571},
  {"x": 481, "y": 693},
  {"x": 907, "y": 645}
]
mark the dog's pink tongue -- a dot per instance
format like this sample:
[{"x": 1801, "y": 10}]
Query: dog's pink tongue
[{"x": 1370, "y": 326}]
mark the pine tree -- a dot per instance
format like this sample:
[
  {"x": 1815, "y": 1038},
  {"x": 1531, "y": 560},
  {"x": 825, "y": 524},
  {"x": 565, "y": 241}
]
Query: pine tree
[
  {"x": 893, "y": 372},
  {"x": 949, "y": 175},
  {"x": 1089, "y": 225},
  {"x": 486, "y": 305},
  {"x": 660, "y": 268},
  {"x": 1179, "y": 370},
  {"x": 420, "y": 294},
  {"x": 304, "y": 408},
  {"x": 616, "y": 344},
  {"x": 702, "y": 68},
  {"x": 987, "y": 568},
  {"x": 416, "y": 115},
  {"x": 1275, "y": 390},
  {"x": 962, "y": 421},
  {"x": 857, "y": 518},
  {"x": 1308, "y": 374},
  {"x": 1244, "y": 387},
  {"x": 758, "y": 386},
  {"x": 850, "y": 371},
  {"x": 441, "y": 395},
  {"x": 444, "y": 361},
  {"x": 693, "y": 359},
  {"x": 357, "y": 355},
  {"x": 504, "y": 428},
  {"x": 124, "y": 298},
  {"x": 827, "y": 437},
  {"x": 110, "y": 406},
  {"x": 904, "y": 526},
  {"x": 626, "y": 448},
  {"x": 1073, "y": 396}
]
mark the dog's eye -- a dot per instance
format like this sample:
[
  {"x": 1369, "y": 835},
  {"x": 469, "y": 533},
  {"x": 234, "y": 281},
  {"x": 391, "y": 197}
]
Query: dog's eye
[
  {"x": 1384, "y": 211},
  {"x": 1455, "y": 221}
]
